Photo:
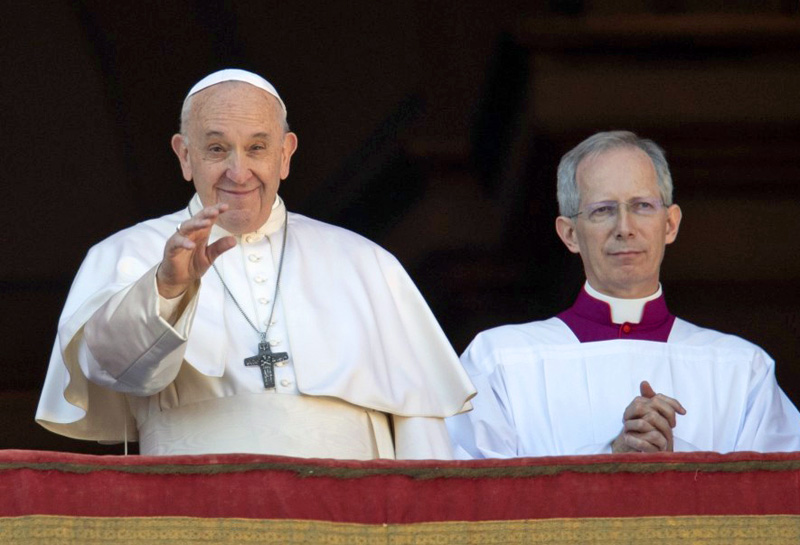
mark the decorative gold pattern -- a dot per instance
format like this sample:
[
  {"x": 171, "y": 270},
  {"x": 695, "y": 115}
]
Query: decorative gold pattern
[{"x": 724, "y": 530}]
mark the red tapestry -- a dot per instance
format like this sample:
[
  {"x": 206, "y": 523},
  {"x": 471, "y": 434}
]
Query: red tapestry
[{"x": 674, "y": 492}]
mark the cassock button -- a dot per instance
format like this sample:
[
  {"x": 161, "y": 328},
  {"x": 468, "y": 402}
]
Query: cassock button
[
  {"x": 280, "y": 363},
  {"x": 263, "y": 301},
  {"x": 248, "y": 238},
  {"x": 286, "y": 382},
  {"x": 626, "y": 328},
  {"x": 274, "y": 343},
  {"x": 254, "y": 258},
  {"x": 259, "y": 279}
]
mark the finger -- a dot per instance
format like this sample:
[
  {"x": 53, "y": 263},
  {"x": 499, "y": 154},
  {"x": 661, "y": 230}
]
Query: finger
[
  {"x": 211, "y": 212},
  {"x": 651, "y": 401},
  {"x": 654, "y": 438},
  {"x": 639, "y": 407},
  {"x": 213, "y": 251},
  {"x": 672, "y": 402},
  {"x": 656, "y": 413},
  {"x": 176, "y": 244},
  {"x": 204, "y": 219},
  {"x": 646, "y": 390},
  {"x": 655, "y": 419},
  {"x": 667, "y": 407},
  {"x": 194, "y": 228},
  {"x": 192, "y": 225},
  {"x": 642, "y": 428},
  {"x": 640, "y": 442},
  {"x": 638, "y": 425}
]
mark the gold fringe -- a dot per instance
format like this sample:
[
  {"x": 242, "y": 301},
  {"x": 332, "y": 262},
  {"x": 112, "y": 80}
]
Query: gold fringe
[{"x": 704, "y": 530}]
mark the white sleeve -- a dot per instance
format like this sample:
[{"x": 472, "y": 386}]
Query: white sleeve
[
  {"x": 129, "y": 347},
  {"x": 771, "y": 422},
  {"x": 488, "y": 430}
]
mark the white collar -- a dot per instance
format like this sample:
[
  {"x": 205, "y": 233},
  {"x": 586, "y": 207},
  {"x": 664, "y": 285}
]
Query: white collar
[{"x": 623, "y": 310}]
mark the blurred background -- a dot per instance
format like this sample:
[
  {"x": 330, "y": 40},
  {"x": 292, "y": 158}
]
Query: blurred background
[{"x": 432, "y": 127}]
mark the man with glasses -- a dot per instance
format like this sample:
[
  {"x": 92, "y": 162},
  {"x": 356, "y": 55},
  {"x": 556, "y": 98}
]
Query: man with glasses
[{"x": 617, "y": 372}]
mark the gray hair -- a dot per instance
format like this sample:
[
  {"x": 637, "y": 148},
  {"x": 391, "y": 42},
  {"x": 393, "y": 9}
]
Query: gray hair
[
  {"x": 568, "y": 192},
  {"x": 186, "y": 111}
]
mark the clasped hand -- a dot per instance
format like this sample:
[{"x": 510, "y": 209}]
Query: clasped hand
[
  {"x": 187, "y": 253},
  {"x": 648, "y": 423}
]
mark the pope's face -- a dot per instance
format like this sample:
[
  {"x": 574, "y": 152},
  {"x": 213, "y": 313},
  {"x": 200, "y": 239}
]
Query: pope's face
[
  {"x": 621, "y": 255},
  {"x": 236, "y": 152}
]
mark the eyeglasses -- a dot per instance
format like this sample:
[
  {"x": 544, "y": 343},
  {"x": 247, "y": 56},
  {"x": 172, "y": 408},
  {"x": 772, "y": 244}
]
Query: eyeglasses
[{"x": 603, "y": 211}]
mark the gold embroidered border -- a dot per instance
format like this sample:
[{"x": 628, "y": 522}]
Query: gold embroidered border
[{"x": 705, "y": 530}]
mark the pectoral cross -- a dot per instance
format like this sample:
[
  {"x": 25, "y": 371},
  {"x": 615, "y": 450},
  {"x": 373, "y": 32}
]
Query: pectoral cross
[{"x": 266, "y": 360}]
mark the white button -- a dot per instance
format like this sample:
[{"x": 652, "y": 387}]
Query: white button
[
  {"x": 259, "y": 279},
  {"x": 249, "y": 238},
  {"x": 263, "y": 301},
  {"x": 274, "y": 342},
  {"x": 254, "y": 258},
  {"x": 286, "y": 382},
  {"x": 280, "y": 363}
]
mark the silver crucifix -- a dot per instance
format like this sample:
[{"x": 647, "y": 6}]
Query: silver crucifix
[{"x": 266, "y": 360}]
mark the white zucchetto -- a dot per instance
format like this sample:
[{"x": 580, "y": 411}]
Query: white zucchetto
[{"x": 235, "y": 74}]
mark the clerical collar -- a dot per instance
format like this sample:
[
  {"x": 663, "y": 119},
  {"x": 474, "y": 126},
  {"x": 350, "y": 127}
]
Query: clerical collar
[
  {"x": 590, "y": 319},
  {"x": 276, "y": 218},
  {"x": 623, "y": 310}
]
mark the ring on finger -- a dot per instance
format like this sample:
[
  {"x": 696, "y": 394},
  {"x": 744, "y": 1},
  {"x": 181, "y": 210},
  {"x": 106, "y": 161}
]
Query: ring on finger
[{"x": 178, "y": 229}]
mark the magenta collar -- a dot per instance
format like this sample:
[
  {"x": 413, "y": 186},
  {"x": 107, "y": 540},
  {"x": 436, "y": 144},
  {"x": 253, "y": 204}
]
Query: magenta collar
[{"x": 590, "y": 321}]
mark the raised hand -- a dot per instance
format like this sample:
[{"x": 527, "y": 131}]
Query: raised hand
[
  {"x": 187, "y": 254},
  {"x": 648, "y": 422}
]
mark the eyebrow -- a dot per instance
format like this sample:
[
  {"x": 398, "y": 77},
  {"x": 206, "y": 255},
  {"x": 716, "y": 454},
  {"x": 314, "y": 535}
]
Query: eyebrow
[
  {"x": 214, "y": 134},
  {"x": 632, "y": 199}
]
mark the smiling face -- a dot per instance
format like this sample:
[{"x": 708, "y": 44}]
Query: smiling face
[
  {"x": 236, "y": 152},
  {"x": 621, "y": 257}
]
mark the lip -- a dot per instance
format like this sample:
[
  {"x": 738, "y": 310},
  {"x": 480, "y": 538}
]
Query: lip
[
  {"x": 237, "y": 192},
  {"x": 625, "y": 253}
]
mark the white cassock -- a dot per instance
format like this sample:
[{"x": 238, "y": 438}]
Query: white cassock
[
  {"x": 541, "y": 392},
  {"x": 363, "y": 348}
]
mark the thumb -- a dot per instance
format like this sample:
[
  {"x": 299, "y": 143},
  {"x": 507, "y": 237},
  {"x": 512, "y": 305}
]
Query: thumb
[
  {"x": 218, "y": 248},
  {"x": 646, "y": 390}
]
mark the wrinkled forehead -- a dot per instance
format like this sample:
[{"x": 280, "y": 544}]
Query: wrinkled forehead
[
  {"x": 233, "y": 102},
  {"x": 622, "y": 171}
]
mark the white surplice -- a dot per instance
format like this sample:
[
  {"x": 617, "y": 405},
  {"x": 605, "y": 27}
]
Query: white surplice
[
  {"x": 363, "y": 344},
  {"x": 541, "y": 392}
]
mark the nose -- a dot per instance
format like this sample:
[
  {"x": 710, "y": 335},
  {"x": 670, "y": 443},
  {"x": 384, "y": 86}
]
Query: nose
[
  {"x": 624, "y": 225},
  {"x": 238, "y": 169}
]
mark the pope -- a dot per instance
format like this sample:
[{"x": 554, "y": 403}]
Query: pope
[{"x": 233, "y": 325}]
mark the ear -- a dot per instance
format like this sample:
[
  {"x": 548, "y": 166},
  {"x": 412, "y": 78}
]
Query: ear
[
  {"x": 565, "y": 228},
  {"x": 182, "y": 151},
  {"x": 289, "y": 147},
  {"x": 674, "y": 216}
]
